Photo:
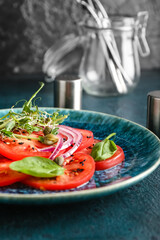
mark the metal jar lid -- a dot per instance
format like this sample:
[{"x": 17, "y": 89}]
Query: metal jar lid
[
  {"x": 68, "y": 91},
  {"x": 153, "y": 112}
]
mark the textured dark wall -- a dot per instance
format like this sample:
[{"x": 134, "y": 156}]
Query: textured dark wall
[{"x": 29, "y": 27}]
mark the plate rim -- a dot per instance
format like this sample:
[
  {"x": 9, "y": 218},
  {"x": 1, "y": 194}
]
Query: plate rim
[{"x": 106, "y": 190}]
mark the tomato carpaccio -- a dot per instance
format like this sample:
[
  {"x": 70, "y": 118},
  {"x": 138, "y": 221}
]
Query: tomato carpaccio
[{"x": 79, "y": 167}]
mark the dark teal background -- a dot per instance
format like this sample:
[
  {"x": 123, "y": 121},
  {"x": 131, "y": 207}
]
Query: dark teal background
[{"x": 131, "y": 214}]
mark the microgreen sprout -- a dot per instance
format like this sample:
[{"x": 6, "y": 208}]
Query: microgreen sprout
[{"x": 30, "y": 119}]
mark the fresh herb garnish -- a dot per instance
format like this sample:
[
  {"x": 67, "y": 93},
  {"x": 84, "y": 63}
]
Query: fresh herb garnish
[
  {"x": 30, "y": 119},
  {"x": 104, "y": 149},
  {"x": 37, "y": 167},
  {"x": 7, "y": 133}
]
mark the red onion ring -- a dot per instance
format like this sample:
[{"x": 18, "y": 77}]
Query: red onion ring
[
  {"x": 77, "y": 138},
  {"x": 57, "y": 148},
  {"x": 69, "y": 140},
  {"x": 65, "y": 145},
  {"x": 46, "y": 149},
  {"x": 73, "y": 136}
]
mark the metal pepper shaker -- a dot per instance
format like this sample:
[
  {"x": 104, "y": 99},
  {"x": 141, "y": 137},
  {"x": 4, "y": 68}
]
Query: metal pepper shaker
[
  {"x": 68, "y": 91},
  {"x": 153, "y": 112}
]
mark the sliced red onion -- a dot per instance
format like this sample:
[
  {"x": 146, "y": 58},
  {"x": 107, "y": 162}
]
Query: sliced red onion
[
  {"x": 65, "y": 145},
  {"x": 73, "y": 137},
  {"x": 77, "y": 138},
  {"x": 69, "y": 140},
  {"x": 57, "y": 148},
  {"x": 46, "y": 149}
]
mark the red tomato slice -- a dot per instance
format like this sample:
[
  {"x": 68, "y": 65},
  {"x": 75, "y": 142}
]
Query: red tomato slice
[
  {"x": 21, "y": 148},
  {"x": 17, "y": 151},
  {"x": 117, "y": 158},
  {"x": 78, "y": 171},
  {"x": 88, "y": 149},
  {"x": 4, "y": 163},
  {"x": 8, "y": 177},
  {"x": 87, "y": 139}
]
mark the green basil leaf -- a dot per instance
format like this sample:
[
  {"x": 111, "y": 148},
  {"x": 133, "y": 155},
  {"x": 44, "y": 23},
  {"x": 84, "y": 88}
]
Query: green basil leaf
[
  {"x": 104, "y": 149},
  {"x": 37, "y": 167}
]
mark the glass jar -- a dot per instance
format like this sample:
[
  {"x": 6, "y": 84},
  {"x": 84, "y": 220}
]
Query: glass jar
[{"x": 107, "y": 73}]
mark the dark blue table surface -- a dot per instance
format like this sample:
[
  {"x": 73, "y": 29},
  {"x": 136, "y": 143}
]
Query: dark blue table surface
[{"x": 131, "y": 214}]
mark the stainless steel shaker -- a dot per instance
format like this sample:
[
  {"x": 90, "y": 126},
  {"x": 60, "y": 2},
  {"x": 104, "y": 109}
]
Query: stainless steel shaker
[
  {"x": 68, "y": 91},
  {"x": 153, "y": 112}
]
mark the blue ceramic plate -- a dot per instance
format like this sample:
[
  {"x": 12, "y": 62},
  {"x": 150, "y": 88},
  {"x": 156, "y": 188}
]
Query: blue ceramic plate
[{"x": 142, "y": 157}]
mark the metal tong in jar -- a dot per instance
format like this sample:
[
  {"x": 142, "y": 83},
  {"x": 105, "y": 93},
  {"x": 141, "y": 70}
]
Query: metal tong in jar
[{"x": 118, "y": 74}]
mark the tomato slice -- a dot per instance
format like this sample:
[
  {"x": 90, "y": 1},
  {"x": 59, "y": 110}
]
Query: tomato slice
[
  {"x": 78, "y": 171},
  {"x": 8, "y": 176},
  {"x": 4, "y": 163},
  {"x": 87, "y": 139},
  {"x": 21, "y": 148},
  {"x": 17, "y": 151},
  {"x": 88, "y": 149},
  {"x": 117, "y": 158}
]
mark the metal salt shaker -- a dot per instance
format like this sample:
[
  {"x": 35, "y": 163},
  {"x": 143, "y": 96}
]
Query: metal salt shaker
[
  {"x": 68, "y": 91},
  {"x": 153, "y": 112}
]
